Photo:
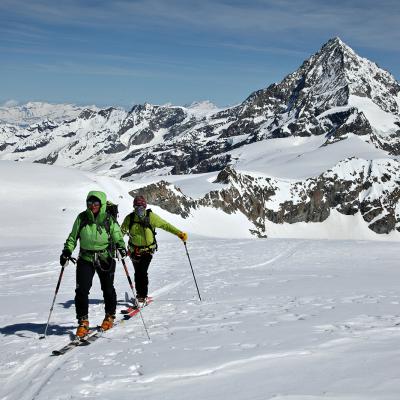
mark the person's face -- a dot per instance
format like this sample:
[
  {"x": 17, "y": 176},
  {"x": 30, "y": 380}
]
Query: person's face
[
  {"x": 94, "y": 206},
  {"x": 140, "y": 211}
]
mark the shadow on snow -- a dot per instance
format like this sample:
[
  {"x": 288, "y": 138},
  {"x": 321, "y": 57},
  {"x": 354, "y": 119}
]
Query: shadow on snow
[
  {"x": 70, "y": 303},
  {"x": 22, "y": 328}
]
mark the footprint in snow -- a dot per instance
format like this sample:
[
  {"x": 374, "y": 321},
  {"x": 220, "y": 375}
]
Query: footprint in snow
[
  {"x": 248, "y": 345},
  {"x": 293, "y": 317},
  {"x": 210, "y": 348},
  {"x": 136, "y": 369}
]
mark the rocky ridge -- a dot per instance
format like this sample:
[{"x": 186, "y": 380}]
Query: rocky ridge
[{"x": 371, "y": 188}]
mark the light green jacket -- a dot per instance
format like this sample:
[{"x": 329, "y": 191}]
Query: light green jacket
[
  {"x": 94, "y": 236},
  {"x": 141, "y": 236}
]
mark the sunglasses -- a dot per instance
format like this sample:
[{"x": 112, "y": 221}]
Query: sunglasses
[{"x": 93, "y": 203}]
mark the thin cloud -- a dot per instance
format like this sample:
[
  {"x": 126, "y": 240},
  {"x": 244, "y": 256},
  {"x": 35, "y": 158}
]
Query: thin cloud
[
  {"x": 266, "y": 49},
  {"x": 122, "y": 65},
  {"x": 83, "y": 69},
  {"x": 364, "y": 21},
  {"x": 92, "y": 69},
  {"x": 130, "y": 62}
]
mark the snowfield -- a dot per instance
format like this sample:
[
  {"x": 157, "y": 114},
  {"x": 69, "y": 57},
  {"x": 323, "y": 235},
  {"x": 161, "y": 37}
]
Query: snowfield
[
  {"x": 280, "y": 319},
  {"x": 286, "y": 319}
]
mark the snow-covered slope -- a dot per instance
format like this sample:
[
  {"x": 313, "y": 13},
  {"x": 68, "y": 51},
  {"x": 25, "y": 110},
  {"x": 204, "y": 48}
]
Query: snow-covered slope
[
  {"x": 280, "y": 318},
  {"x": 41, "y": 202},
  {"x": 37, "y": 196},
  {"x": 283, "y": 320}
]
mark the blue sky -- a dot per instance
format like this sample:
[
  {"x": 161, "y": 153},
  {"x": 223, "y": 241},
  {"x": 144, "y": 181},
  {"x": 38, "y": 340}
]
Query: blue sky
[{"x": 122, "y": 52}]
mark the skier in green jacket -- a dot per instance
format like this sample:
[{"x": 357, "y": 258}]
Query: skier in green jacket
[
  {"x": 99, "y": 235},
  {"x": 140, "y": 226}
]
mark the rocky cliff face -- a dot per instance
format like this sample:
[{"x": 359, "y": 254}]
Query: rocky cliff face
[{"x": 370, "y": 188}]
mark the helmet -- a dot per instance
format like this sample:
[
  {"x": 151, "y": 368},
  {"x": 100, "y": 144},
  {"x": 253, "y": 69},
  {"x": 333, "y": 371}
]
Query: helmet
[{"x": 139, "y": 201}]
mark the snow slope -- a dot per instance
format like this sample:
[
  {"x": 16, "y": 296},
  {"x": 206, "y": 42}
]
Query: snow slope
[
  {"x": 42, "y": 202},
  {"x": 300, "y": 157},
  {"x": 280, "y": 319}
]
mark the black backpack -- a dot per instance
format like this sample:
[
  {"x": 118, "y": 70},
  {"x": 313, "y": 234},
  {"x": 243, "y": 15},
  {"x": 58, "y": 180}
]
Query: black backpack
[
  {"x": 112, "y": 209},
  {"x": 145, "y": 223}
]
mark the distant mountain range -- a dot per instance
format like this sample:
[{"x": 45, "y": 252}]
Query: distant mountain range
[
  {"x": 335, "y": 96},
  {"x": 36, "y": 112}
]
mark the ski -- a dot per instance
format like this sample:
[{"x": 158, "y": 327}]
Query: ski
[
  {"x": 135, "y": 309},
  {"x": 96, "y": 333},
  {"x": 75, "y": 343}
]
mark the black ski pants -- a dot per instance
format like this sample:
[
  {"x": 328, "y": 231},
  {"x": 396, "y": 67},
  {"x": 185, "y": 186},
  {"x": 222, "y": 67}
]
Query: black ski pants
[
  {"x": 141, "y": 265},
  {"x": 84, "y": 276}
]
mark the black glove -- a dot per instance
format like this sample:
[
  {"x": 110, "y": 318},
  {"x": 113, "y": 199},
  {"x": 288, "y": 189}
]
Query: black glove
[
  {"x": 122, "y": 252},
  {"x": 65, "y": 255}
]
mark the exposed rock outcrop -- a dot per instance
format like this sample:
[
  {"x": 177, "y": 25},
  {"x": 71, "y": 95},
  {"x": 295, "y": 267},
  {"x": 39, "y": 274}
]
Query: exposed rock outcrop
[{"x": 370, "y": 188}]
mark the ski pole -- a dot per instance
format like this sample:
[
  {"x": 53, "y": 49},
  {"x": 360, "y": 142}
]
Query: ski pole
[
  {"x": 134, "y": 295},
  {"x": 55, "y": 295},
  {"x": 195, "y": 281}
]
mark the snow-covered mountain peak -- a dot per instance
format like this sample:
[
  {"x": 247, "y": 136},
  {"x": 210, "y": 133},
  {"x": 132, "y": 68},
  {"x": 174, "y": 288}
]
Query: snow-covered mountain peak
[
  {"x": 336, "y": 44},
  {"x": 337, "y": 62},
  {"x": 317, "y": 85},
  {"x": 203, "y": 105},
  {"x": 334, "y": 92}
]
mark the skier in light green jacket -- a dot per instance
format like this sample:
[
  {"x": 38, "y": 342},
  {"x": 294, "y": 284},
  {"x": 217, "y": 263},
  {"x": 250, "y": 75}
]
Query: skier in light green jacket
[
  {"x": 98, "y": 233},
  {"x": 140, "y": 225}
]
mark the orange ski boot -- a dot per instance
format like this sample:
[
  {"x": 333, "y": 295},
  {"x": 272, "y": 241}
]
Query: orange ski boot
[
  {"x": 108, "y": 322},
  {"x": 83, "y": 328}
]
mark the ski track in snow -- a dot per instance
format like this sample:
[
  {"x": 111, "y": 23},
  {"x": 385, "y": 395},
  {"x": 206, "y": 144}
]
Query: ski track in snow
[
  {"x": 271, "y": 309},
  {"x": 228, "y": 365}
]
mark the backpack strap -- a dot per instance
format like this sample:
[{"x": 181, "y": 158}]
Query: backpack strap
[
  {"x": 131, "y": 220},
  {"x": 84, "y": 221},
  {"x": 112, "y": 246},
  {"x": 107, "y": 223}
]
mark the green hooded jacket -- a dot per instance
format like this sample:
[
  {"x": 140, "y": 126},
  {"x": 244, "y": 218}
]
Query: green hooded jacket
[
  {"x": 141, "y": 236},
  {"x": 94, "y": 236}
]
